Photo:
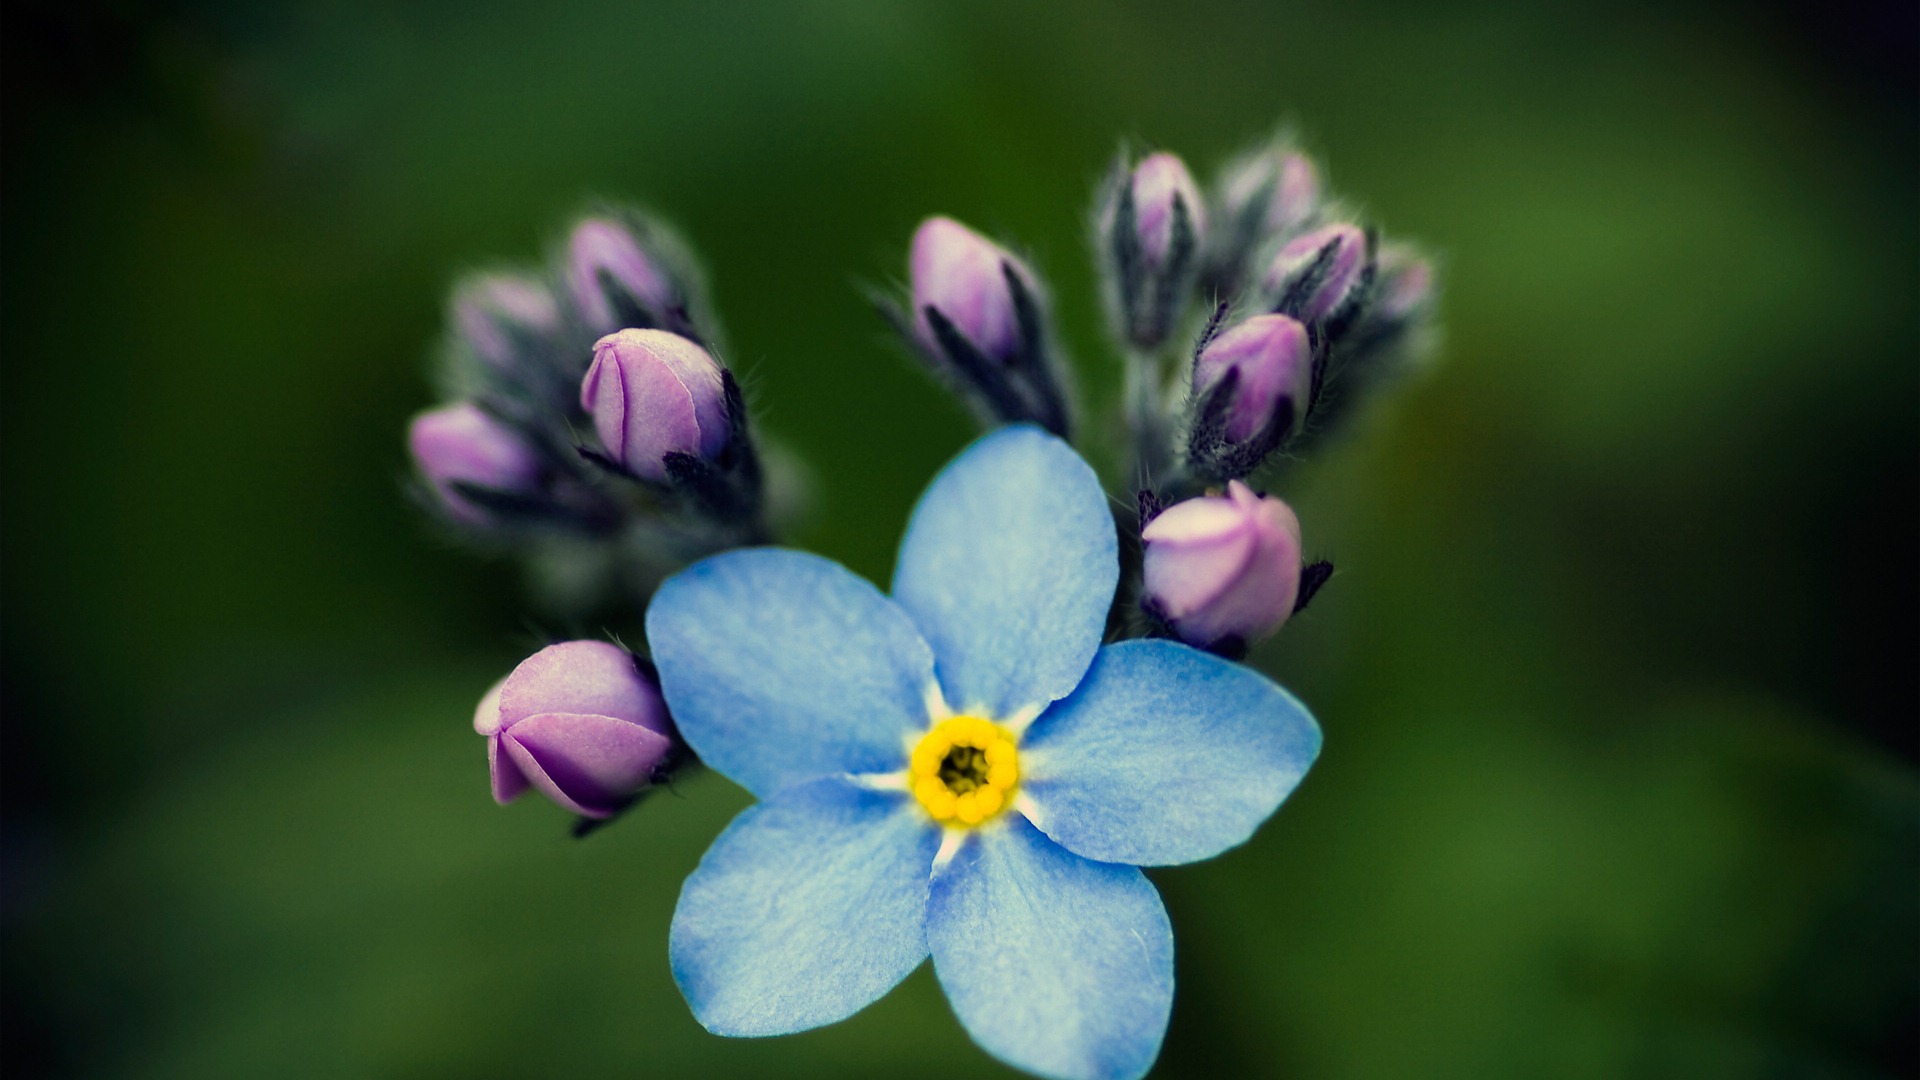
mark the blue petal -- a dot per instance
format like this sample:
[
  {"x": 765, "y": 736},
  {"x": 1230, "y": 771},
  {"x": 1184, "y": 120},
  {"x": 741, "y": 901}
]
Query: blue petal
[
  {"x": 1164, "y": 755},
  {"x": 805, "y": 910},
  {"x": 1008, "y": 568},
  {"x": 1055, "y": 964},
  {"x": 779, "y": 666}
]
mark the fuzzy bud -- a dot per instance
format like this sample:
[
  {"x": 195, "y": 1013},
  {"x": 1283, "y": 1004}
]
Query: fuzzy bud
[
  {"x": 652, "y": 393},
  {"x": 1262, "y": 197},
  {"x": 1223, "y": 570},
  {"x": 459, "y": 443},
  {"x": 1272, "y": 362},
  {"x": 496, "y": 314},
  {"x": 1406, "y": 283},
  {"x": 1275, "y": 191},
  {"x": 959, "y": 273},
  {"x": 614, "y": 282},
  {"x": 1152, "y": 223},
  {"x": 579, "y": 721},
  {"x": 1159, "y": 182},
  {"x": 1322, "y": 276}
]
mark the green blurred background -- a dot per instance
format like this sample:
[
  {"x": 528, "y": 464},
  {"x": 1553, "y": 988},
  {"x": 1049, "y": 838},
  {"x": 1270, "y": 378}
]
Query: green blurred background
[{"x": 1618, "y": 678}]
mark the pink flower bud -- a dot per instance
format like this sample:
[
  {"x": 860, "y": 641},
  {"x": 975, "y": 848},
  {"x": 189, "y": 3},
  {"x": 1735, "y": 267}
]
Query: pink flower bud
[
  {"x": 957, "y": 271},
  {"x": 1406, "y": 283},
  {"x": 1288, "y": 180},
  {"x": 1157, "y": 181},
  {"x": 1323, "y": 288},
  {"x": 489, "y": 311},
  {"x": 1220, "y": 567},
  {"x": 603, "y": 254},
  {"x": 1274, "y": 366},
  {"x": 580, "y": 722},
  {"x": 460, "y": 443},
  {"x": 652, "y": 393}
]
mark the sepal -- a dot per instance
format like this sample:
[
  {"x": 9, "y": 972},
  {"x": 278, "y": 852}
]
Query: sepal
[{"x": 1312, "y": 576}]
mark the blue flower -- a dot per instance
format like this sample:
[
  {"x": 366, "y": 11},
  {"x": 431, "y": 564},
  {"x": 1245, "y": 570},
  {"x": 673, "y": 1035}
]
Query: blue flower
[{"x": 962, "y": 769}]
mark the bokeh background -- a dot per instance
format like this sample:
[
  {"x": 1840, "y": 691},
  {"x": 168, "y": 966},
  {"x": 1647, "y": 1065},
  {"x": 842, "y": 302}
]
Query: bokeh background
[{"x": 1617, "y": 679}]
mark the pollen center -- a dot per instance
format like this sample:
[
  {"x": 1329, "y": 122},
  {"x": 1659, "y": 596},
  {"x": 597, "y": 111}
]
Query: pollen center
[{"x": 964, "y": 770}]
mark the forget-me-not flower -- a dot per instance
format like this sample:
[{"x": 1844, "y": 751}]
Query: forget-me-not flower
[{"x": 961, "y": 769}]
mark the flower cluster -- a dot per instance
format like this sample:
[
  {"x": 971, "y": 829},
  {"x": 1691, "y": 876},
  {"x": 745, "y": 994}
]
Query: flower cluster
[
  {"x": 974, "y": 766},
  {"x": 1248, "y": 318},
  {"x": 612, "y": 337}
]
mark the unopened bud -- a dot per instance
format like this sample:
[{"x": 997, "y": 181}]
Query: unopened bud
[
  {"x": 460, "y": 444},
  {"x": 1152, "y": 223},
  {"x": 1275, "y": 191},
  {"x": 614, "y": 282},
  {"x": 1322, "y": 275},
  {"x": 580, "y": 722},
  {"x": 1223, "y": 571},
  {"x": 1272, "y": 364},
  {"x": 652, "y": 393},
  {"x": 496, "y": 314},
  {"x": 1405, "y": 283},
  {"x": 1160, "y": 182},
  {"x": 958, "y": 272},
  {"x": 1262, "y": 197}
]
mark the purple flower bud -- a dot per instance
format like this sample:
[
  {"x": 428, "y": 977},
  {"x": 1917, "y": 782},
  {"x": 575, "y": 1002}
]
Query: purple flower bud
[
  {"x": 490, "y": 310},
  {"x": 1220, "y": 567},
  {"x": 1152, "y": 225},
  {"x": 458, "y": 442},
  {"x": 1274, "y": 363},
  {"x": 1157, "y": 181},
  {"x": 652, "y": 393},
  {"x": 1313, "y": 286},
  {"x": 1406, "y": 283},
  {"x": 601, "y": 246},
  {"x": 1287, "y": 179},
  {"x": 957, "y": 271},
  {"x": 580, "y": 722}
]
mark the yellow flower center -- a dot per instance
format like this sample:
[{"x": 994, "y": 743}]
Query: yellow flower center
[{"x": 964, "y": 770}]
